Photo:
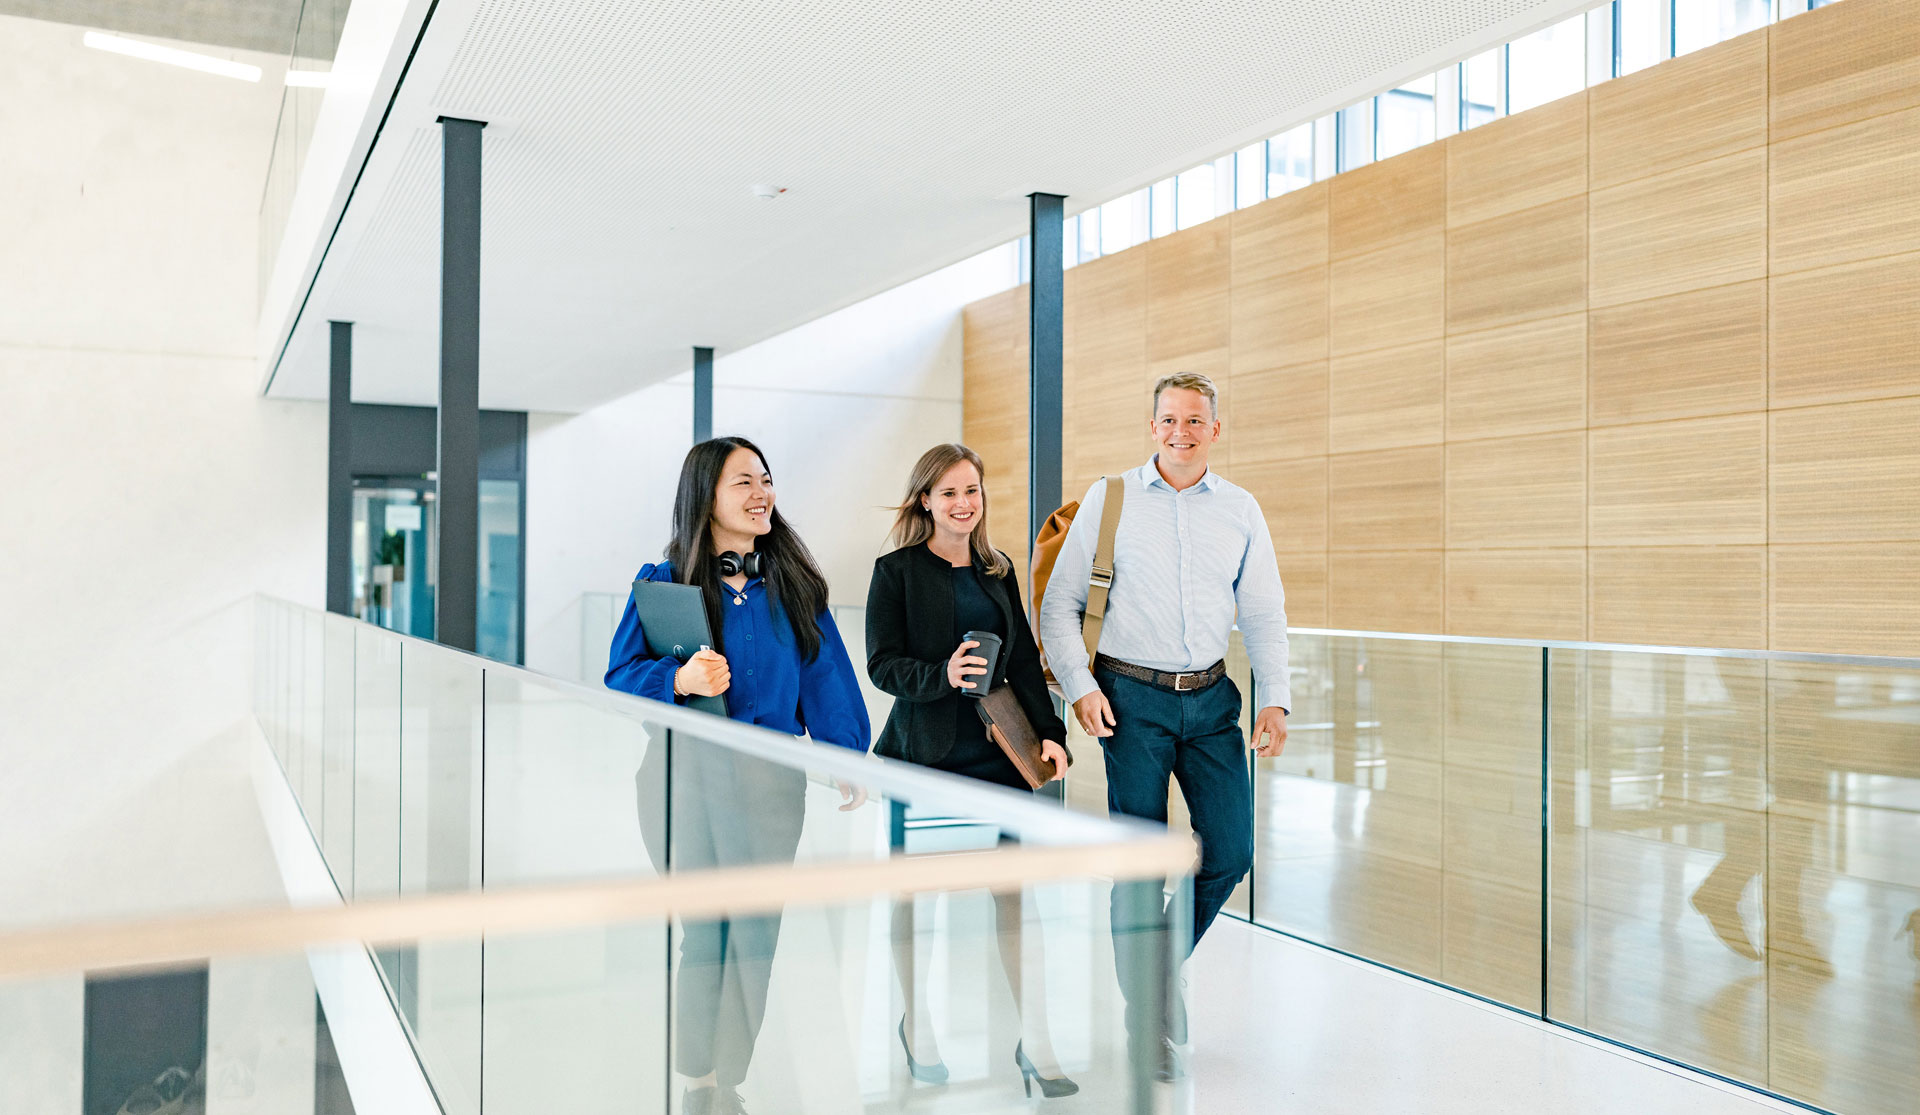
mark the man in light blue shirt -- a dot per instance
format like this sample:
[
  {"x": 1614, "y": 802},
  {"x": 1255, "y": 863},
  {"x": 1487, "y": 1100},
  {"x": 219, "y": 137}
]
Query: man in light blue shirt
[{"x": 1191, "y": 553}]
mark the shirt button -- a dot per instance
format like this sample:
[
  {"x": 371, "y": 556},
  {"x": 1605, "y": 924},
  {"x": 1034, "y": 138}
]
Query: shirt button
[
  {"x": 749, "y": 673},
  {"x": 749, "y": 638}
]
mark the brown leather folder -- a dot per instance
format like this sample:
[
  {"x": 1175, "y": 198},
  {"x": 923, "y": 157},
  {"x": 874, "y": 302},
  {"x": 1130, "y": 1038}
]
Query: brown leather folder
[{"x": 1008, "y": 727}]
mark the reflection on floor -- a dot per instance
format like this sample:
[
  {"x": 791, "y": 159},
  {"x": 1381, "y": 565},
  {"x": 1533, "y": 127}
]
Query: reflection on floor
[{"x": 1283, "y": 1026}]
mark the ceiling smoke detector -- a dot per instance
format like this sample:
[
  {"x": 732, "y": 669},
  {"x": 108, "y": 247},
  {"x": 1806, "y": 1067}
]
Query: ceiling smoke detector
[{"x": 767, "y": 193}]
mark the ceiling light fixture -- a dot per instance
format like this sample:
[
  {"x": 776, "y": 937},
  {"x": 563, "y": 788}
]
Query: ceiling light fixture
[
  {"x": 154, "y": 52},
  {"x": 765, "y": 192},
  {"x": 307, "y": 79}
]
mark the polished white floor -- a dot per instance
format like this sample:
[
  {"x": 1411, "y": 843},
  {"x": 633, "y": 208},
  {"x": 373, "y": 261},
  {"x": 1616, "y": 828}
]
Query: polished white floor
[{"x": 1281, "y": 1026}]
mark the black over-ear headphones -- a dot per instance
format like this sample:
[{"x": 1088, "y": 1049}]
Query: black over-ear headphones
[{"x": 730, "y": 564}]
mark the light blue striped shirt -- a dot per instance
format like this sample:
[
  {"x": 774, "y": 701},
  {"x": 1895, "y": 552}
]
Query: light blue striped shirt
[{"x": 1183, "y": 564}]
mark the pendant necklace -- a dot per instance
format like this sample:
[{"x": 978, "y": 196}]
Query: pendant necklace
[{"x": 739, "y": 595}]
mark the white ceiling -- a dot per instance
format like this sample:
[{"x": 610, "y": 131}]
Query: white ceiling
[{"x": 622, "y": 139}]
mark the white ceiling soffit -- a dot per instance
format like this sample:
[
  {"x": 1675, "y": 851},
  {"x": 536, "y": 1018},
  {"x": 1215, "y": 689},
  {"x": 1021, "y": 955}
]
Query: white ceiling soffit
[{"x": 623, "y": 139}]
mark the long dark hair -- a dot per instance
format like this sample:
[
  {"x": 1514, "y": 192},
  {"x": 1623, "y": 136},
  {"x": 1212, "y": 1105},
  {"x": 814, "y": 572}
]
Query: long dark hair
[{"x": 794, "y": 581}]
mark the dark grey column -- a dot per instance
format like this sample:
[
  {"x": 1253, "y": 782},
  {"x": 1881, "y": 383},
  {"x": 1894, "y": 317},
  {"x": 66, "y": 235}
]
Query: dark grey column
[
  {"x": 340, "y": 469},
  {"x": 458, "y": 498},
  {"x": 702, "y": 394},
  {"x": 1045, "y": 329}
]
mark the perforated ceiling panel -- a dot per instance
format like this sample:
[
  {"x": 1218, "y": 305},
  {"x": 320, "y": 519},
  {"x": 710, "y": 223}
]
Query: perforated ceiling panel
[{"x": 623, "y": 140}]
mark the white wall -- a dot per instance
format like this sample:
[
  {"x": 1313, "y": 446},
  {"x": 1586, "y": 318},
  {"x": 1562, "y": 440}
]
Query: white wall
[
  {"x": 842, "y": 407},
  {"x": 150, "y": 490}
]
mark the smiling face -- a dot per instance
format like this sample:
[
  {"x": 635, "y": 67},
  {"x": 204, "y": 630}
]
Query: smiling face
[
  {"x": 743, "y": 501},
  {"x": 957, "y": 501},
  {"x": 1184, "y": 428}
]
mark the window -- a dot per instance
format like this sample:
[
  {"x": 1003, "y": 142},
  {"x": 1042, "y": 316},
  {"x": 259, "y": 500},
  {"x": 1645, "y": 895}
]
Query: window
[
  {"x": 1070, "y": 242},
  {"x": 1406, "y": 117},
  {"x": 1089, "y": 235},
  {"x": 1355, "y": 131},
  {"x": 1193, "y": 196},
  {"x": 1547, "y": 65},
  {"x": 1160, "y": 208},
  {"x": 1123, "y": 223},
  {"x": 1599, "y": 44},
  {"x": 1482, "y": 95},
  {"x": 1702, "y": 23},
  {"x": 1250, "y": 176},
  {"x": 1290, "y": 160},
  {"x": 1643, "y": 34},
  {"x": 1326, "y": 146}
]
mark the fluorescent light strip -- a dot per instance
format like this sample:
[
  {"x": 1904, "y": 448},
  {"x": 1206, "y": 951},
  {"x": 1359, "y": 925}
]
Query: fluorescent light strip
[
  {"x": 153, "y": 52},
  {"x": 308, "y": 79}
]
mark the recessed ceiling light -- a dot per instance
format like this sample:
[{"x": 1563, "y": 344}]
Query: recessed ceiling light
[
  {"x": 308, "y": 79},
  {"x": 766, "y": 192},
  {"x": 154, "y": 52}
]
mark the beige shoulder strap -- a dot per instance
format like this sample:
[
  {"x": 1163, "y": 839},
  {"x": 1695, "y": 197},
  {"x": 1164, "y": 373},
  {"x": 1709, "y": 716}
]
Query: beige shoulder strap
[{"x": 1100, "y": 581}]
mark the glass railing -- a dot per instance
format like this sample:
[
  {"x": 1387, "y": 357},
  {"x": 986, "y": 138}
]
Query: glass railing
[
  {"x": 315, "y": 40},
  {"x": 822, "y": 918},
  {"x": 1710, "y": 856}
]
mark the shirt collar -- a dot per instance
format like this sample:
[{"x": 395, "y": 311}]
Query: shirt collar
[{"x": 1150, "y": 476}]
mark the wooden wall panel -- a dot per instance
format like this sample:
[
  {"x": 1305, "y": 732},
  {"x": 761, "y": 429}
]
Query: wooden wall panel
[
  {"x": 1832, "y": 67},
  {"x": 1391, "y": 591},
  {"x": 1710, "y": 103},
  {"x": 1847, "y": 599},
  {"x": 1390, "y": 297},
  {"x": 1304, "y": 578},
  {"x": 1526, "y": 265},
  {"x": 1389, "y": 202},
  {"x": 1848, "y": 193},
  {"x": 1846, "y": 333},
  {"x": 1280, "y": 319},
  {"x": 1695, "y": 596},
  {"x": 1523, "y": 379},
  {"x": 1848, "y": 473},
  {"x": 1280, "y": 413},
  {"x": 1517, "y": 493},
  {"x": 1388, "y": 398},
  {"x": 1683, "y": 356},
  {"x": 1702, "y": 481},
  {"x": 1390, "y": 500},
  {"x": 1641, "y": 365},
  {"x": 1293, "y": 496},
  {"x": 1280, "y": 235},
  {"x": 1187, "y": 277},
  {"x": 1518, "y": 162},
  {"x": 1701, "y": 226},
  {"x": 1517, "y": 594}
]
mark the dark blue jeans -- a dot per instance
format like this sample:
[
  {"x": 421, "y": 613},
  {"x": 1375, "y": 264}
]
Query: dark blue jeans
[{"x": 1194, "y": 738}]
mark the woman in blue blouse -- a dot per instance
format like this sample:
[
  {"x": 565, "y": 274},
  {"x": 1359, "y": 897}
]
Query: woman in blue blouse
[{"x": 779, "y": 659}]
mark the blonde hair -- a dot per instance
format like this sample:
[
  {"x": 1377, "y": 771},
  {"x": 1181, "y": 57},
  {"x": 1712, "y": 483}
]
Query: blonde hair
[
  {"x": 1188, "y": 381},
  {"x": 913, "y": 523}
]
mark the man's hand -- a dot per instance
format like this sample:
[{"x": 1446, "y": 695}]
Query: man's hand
[
  {"x": 1095, "y": 714},
  {"x": 1057, "y": 755},
  {"x": 1269, "y": 731}
]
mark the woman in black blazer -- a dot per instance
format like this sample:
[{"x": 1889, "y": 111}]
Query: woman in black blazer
[{"x": 945, "y": 578}]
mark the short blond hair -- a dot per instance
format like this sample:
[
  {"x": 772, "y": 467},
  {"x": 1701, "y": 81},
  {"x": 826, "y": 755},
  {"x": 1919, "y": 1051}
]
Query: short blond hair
[{"x": 1188, "y": 381}]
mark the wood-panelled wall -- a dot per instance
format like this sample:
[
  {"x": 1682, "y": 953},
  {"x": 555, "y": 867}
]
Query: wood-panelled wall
[{"x": 1641, "y": 365}]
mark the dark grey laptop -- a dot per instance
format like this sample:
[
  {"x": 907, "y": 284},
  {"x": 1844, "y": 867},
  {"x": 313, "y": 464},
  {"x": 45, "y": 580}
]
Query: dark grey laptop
[{"x": 674, "y": 619}]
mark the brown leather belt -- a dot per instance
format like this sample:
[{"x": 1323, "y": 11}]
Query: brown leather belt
[{"x": 1178, "y": 683}]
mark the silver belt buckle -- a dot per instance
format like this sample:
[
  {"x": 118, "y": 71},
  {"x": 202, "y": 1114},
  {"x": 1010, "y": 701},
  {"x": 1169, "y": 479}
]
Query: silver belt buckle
[{"x": 1180, "y": 682}]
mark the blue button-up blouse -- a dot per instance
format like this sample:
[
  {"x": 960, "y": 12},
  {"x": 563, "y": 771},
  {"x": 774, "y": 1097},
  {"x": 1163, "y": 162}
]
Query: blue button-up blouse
[{"x": 771, "y": 686}]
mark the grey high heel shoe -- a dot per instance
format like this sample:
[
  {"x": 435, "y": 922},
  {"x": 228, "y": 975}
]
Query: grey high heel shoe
[
  {"x": 935, "y": 1073},
  {"x": 1052, "y": 1087}
]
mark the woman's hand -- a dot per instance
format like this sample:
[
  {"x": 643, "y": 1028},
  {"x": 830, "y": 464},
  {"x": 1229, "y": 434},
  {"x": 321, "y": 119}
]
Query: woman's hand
[
  {"x": 1058, "y": 754},
  {"x": 962, "y": 666},
  {"x": 706, "y": 674}
]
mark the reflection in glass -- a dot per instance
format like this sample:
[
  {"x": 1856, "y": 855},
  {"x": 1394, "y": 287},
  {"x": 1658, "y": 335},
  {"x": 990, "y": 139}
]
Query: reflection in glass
[
  {"x": 1355, "y": 135},
  {"x": 1483, "y": 95},
  {"x": 1290, "y": 160},
  {"x": 1702, "y": 23},
  {"x": 1547, "y": 65},
  {"x": 1402, "y": 821},
  {"x": 1250, "y": 176},
  {"x": 1193, "y": 196},
  {"x": 1645, "y": 35},
  {"x": 1406, "y": 117}
]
